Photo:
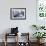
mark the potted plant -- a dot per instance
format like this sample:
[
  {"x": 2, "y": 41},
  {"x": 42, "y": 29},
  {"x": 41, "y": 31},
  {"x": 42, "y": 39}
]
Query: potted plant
[
  {"x": 35, "y": 26},
  {"x": 39, "y": 35},
  {"x": 38, "y": 27},
  {"x": 42, "y": 27}
]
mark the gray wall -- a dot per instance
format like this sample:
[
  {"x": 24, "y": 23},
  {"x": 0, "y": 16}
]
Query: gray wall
[{"x": 24, "y": 25}]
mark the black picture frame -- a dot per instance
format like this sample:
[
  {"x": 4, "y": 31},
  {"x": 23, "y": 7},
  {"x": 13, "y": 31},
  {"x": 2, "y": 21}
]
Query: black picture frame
[{"x": 17, "y": 13}]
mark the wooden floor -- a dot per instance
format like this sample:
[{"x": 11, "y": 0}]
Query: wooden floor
[{"x": 13, "y": 44}]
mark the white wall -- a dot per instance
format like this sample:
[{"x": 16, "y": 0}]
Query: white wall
[{"x": 24, "y": 25}]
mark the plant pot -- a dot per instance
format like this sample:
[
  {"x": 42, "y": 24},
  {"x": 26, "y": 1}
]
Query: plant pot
[{"x": 40, "y": 41}]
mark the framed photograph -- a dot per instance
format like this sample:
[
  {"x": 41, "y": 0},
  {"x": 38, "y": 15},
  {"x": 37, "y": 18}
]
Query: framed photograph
[{"x": 17, "y": 13}]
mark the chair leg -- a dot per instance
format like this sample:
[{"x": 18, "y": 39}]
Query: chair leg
[
  {"x": 5, "y": 40},
  {"x": 17, "y": 41},
  {"x": 5, "y": 43}
]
